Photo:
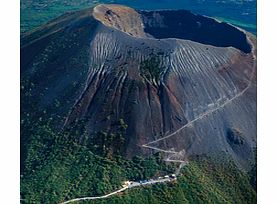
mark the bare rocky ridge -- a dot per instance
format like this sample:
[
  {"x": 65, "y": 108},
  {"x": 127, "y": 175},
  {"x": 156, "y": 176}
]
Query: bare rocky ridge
[
  {"x": 179, "y": 96},
  {"x": 122, "y": 18}
]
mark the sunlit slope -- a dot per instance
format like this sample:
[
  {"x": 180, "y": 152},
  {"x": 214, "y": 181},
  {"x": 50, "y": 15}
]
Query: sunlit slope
[{"x": 181, "y": 96}]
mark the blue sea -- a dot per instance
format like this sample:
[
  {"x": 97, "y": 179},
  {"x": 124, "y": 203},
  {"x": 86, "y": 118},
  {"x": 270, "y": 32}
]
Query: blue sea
[{"x": 242, "y": 13}]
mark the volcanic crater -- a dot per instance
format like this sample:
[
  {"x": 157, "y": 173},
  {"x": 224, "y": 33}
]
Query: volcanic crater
[{"x": 177, "y": 80}]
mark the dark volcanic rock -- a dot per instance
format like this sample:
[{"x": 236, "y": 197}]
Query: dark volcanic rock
[
  {"x": 178, "y": 96},
  {"x": 183, "y": 24},
  {"x": 235, "y": 137}
]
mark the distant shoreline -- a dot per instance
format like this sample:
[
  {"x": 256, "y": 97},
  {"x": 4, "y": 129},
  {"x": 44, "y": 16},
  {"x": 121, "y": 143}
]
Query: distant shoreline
[
  {"x": 248, "y": 27},
  {"x": 32, "y": 18}
]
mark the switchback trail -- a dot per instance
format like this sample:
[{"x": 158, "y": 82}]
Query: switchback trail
[
  {"x": 182, "y": 163},
  {"x": 201, "y": 116}
]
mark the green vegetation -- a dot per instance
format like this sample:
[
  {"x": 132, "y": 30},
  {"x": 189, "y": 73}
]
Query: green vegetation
[
  {"x": 151, "y": 68},
  {"x": 57, "y": 168},
  {"x": 253, "y": 172},
  {"x": 61, "y": 166},
  {"x": 204, "y": 180},
  {"x": 34, "y": 13}
]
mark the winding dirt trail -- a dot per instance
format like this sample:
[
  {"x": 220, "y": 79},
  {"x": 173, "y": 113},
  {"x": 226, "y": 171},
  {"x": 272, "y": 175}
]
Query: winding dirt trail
[
  {"x": 132, "y": 185},
  {"x": 182, "y": 163},
  {"x": 201, "y": 116},
  {"x": 94, "y": 198}
]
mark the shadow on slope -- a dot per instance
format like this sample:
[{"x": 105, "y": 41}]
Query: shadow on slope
[{"x": 183, "y": 24}]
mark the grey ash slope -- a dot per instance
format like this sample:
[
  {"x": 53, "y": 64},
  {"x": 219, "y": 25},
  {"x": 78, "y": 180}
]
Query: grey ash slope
[{"x": 175, "y": 95}]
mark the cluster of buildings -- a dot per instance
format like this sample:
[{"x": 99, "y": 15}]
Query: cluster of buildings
[{"x": 150, "y": 181}]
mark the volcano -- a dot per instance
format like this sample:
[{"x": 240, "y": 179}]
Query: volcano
[{"x": 180, "y": 83}]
